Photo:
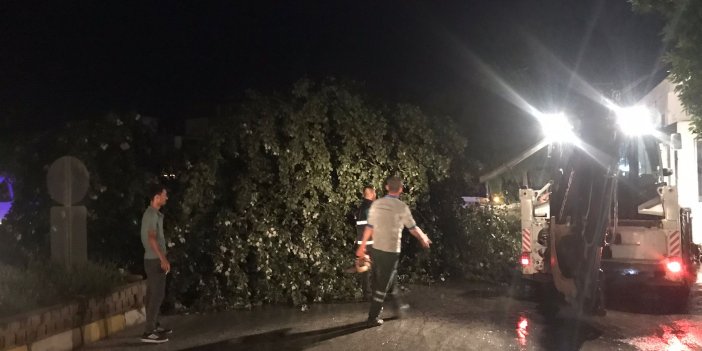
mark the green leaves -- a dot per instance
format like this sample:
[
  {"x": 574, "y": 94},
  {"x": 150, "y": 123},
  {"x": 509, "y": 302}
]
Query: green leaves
[
  {"x": 286, "y": 171},
  {"x": 259, "y": 210}
]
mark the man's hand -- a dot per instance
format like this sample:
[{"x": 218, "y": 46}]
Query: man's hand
[
  {"x": 165, "y": 265},
  {"x": 425, "y": 242},
  {"x": 423, "y": 238},
  {"x": 361, "y": 251},
  {"x": 367, "y": 235}
]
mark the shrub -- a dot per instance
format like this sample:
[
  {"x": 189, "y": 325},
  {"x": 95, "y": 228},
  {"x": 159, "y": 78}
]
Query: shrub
[
  {"x": 43, "y": 283},
  {"x": 486, "y": 245},
  {"x": 121, "y": 153}
]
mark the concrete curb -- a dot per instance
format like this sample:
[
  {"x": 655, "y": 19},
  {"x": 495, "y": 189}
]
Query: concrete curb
[{"x": 89, "y": 333}]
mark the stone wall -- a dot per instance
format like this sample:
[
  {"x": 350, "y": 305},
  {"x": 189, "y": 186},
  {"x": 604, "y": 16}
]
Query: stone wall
[{"x": 79, "y": 322}]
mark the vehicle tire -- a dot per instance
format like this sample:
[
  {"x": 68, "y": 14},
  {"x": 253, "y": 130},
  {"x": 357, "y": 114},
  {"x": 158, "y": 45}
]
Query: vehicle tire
[{"x": 677, "y": 299}]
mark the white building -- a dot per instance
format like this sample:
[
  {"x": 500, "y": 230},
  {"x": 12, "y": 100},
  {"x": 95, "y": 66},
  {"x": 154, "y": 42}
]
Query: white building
[{"x": 685, "y": 162}]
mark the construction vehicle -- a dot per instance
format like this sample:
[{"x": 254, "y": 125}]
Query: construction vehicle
[{"x": 607, "y": 217}]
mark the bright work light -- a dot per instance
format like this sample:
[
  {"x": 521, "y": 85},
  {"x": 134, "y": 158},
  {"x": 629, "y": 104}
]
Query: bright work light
[
  {"x": 556, "y": 127},
  {"x": 635, "y": 120}
]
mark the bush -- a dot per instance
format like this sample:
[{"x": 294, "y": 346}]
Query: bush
[
  {"x": 43, "y": 284},
  {"x": 486, "y": 245},
  {"x": 121, "y": 153},
  {"x": 262, "y": 212}
]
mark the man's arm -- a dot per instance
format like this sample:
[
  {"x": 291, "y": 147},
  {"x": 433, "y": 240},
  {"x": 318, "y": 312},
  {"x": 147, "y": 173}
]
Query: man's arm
[
  {"x": 419, "y": 234},
  {"x": 153, "y": 243},
  {"x": 367, "y": 234},
  {"x": 416, "y": 232}
]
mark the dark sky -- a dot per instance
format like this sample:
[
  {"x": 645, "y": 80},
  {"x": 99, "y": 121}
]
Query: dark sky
[{"x": 174, "y": 59}]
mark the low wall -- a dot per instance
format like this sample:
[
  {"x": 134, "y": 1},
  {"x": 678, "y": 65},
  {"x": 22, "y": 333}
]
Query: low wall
[{"x": 71, "y": 325}]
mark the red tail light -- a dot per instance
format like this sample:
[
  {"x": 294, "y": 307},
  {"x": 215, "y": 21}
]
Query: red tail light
[
  {"x": 674, "y": 265},
  {"x": 525, "y": 259}
]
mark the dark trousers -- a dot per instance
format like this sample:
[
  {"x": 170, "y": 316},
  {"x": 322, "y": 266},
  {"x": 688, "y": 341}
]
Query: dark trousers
[
  {"x": 384, "y": 281},
  {"x": 366, "y": 278},
  {"x": 155, "y": 292}
]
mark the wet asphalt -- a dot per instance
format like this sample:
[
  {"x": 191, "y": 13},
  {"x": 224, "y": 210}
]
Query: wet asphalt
[{"x": 447, "y": 316}]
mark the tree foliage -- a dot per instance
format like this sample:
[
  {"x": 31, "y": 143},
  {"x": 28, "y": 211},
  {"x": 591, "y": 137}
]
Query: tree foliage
[
  {"x": 258, "y": 212},
  {"x": 119, "y": 153},
  {"x": 268, "y": 203},
  {"x": 683, "y": 36}
]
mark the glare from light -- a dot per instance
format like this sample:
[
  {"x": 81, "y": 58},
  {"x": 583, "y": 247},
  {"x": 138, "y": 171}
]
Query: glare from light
[
  {"x": 674, "y": 266},
  {"x": 525, "y": 259},
  {"x": 556, "y": 127},
  {"x": 635, "y": 120},
  {"x": 522, "y": 332},
  {"x": 523, "y": 323},
  {"x": 497, "y": 199}
]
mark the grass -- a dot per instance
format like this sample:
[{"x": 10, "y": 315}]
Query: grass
[{"x": 43, "y": 284}]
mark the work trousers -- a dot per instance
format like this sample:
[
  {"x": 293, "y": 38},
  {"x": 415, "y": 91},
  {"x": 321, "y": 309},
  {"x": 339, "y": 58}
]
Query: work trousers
[
  {"x": 366, "y": 278},
  {"x": 384, "y": 274},
  {"x": 155, "y": 292}
]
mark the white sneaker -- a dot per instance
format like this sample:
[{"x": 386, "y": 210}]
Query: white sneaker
[{"x": 153, "y": 338}]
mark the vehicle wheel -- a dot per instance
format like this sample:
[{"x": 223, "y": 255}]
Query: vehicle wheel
[{"x": 677, "y": 299}]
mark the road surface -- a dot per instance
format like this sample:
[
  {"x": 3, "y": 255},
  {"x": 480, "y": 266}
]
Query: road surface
[{"x": 450, "y": 316}]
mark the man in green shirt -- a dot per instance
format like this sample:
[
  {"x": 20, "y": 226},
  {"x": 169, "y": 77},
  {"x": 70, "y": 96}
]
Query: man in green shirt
[
  {"x": 387, "y": 218},
  {"x": 156, "y": 264}
]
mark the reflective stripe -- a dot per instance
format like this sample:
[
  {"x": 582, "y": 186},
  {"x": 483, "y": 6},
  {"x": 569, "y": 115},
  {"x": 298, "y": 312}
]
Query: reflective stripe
[
  {"x": 526, "y": 240},
  {"x": 361, "y": 222},
  {"x": 674, "y": 247},
  {"x": 367, "y": 242},
  {"x": 378, "y": 299}
]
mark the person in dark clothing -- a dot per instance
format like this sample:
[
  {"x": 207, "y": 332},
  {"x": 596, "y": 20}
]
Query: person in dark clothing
[{"x": 369, "y": 196}]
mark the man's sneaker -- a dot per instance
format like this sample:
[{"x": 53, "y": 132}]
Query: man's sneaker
[
  {"x": 374, "y": 322},
  {"x": 163, "y": 331},
  {"x": 153, "y": 338}
]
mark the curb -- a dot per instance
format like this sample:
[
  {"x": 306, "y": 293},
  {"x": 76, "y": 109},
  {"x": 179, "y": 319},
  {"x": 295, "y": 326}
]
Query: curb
[{"x": 89, "y": 333}]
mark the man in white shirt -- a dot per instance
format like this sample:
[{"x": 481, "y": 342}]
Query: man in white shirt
[{"x": 387, "y": 218}]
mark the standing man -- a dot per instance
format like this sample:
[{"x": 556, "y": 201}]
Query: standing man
[
  {"x": 361, "y": 220},
  {"x": 386, "y": 219},
  {"x": 156, "y": 264}
]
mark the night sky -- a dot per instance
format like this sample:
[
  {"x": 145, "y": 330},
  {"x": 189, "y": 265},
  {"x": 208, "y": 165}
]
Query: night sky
[{"x": 175, "y": 60}]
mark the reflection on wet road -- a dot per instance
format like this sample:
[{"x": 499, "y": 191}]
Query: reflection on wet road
[
  {"x": 677, "y": 336},
  {"x": 661, "y": 331},
  {"x": 522, "y": 331}
]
